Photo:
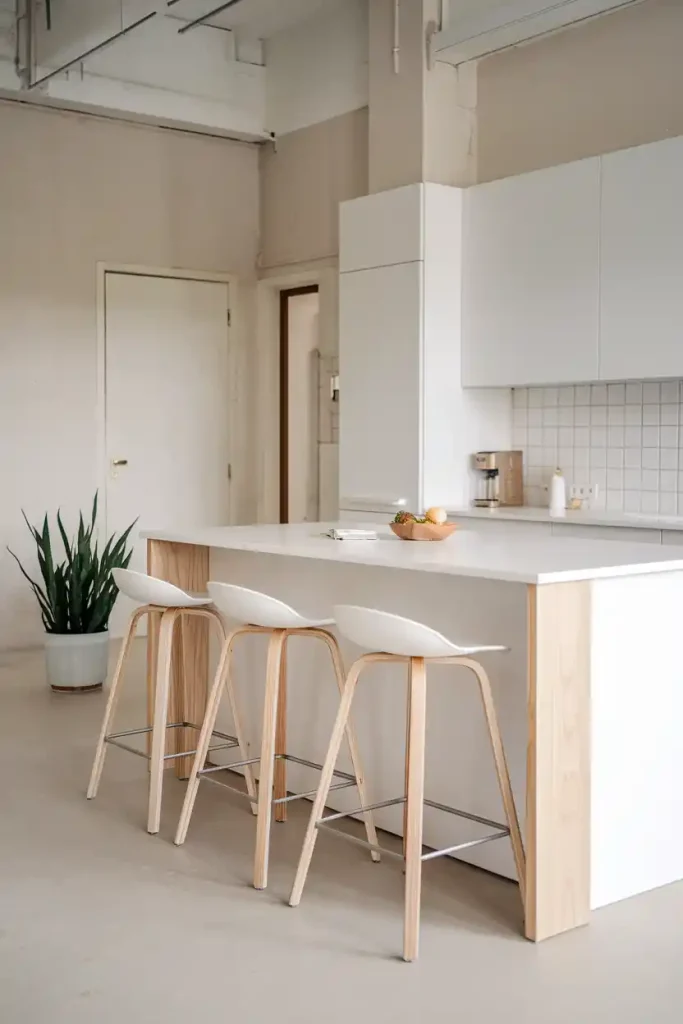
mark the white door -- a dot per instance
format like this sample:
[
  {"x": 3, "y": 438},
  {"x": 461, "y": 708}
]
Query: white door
[{"x": 167, "y": 407}]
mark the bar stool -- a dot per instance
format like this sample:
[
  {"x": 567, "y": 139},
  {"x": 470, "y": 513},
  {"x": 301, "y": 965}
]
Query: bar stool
[
  {"x": 267, "y": 615},
  {"x": 393, "y": 639},
  {"x": 173, "y": 605}
]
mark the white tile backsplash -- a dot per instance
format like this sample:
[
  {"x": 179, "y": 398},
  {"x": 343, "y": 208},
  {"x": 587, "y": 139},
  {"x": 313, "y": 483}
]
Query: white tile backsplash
[{"x": 626, "y": 438}]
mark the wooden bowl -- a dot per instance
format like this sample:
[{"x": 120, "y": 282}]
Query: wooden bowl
[{"x": 423, "y": 531}]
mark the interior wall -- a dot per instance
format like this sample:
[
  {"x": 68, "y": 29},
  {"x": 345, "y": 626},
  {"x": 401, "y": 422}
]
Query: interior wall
[
  {"x": 304, "y": 177},
  {"x": 608, "y": 84},
  {"x": 75, "y": 190}
]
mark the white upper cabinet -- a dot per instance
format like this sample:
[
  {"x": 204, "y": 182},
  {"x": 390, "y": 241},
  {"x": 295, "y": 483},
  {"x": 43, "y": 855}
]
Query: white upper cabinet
[
  {"x": 531, "y": 278},
  {"x": 381, "y": 229},
  {"x": 642, "y": 262}
]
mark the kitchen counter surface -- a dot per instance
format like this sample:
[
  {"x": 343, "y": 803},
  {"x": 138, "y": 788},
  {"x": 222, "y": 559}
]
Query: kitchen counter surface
[
  {"x": 584, "y": 517},
  {"x": 467, "y": 553}
]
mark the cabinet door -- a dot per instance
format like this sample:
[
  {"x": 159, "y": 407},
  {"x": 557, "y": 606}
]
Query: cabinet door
[
  {"x": 531, "y": 278},
  {"x": 380, "y": 338},
  {"x": 381, "y": 229},
  {"x": 642, "y": 262}
]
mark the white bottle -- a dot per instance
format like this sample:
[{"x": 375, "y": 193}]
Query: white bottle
[{"x": 558, "y": 494}]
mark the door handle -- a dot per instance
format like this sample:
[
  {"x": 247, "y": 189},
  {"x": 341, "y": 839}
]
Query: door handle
[{"x": 119, "y": 462}]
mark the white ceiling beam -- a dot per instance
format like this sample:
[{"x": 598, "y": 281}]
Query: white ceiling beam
[{"x": 473, "y": 35}]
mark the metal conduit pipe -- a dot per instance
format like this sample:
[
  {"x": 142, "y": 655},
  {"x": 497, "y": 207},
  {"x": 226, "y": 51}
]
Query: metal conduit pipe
[
  {"x": 88, "y": 53},
  {"x": 93, "y": 49},
  {"x": 209, "y": 14}
]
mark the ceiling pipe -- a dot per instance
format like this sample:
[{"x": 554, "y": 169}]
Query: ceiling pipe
[
  {"x": 205, "y": 17},
  {"x": 23, "y": 52},
  {"x": 93, "y": 49},
  {"x": 396, "y": 48}
]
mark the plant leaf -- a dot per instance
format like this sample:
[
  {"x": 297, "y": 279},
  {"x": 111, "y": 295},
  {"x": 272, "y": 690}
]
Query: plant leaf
[
  {"x": 65, "y": 539},
  {"x": 78, "y": 593}
]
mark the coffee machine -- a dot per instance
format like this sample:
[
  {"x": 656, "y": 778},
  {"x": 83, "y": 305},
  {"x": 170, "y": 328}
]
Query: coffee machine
[{"x": 500, "y": 479}]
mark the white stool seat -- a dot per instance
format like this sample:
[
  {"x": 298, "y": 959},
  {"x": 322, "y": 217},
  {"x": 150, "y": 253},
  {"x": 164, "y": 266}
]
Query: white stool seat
[
  {"x": 148, "y": 589},
  {"x": 243, "y": 605},
  {"x": 392, "y": 634}
]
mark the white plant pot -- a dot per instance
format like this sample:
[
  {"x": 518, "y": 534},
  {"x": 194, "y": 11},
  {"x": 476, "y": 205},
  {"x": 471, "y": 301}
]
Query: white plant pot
[{"x": 76, "y": 662}]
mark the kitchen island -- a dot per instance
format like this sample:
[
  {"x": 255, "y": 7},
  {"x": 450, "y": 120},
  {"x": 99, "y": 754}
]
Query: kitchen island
[{"x": 589, "y": 696}]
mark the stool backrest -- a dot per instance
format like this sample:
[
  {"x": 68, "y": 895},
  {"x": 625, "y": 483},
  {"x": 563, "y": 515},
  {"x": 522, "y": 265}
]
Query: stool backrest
[
  {"x": 149, "y": 590},
  {"x": 254, "y": 608},
  {"x": 392, "y": 634}
]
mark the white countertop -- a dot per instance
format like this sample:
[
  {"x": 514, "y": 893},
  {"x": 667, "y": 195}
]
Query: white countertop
[
  {"x": 584, "y": 517},
  {"x": 466, "y": 553}
]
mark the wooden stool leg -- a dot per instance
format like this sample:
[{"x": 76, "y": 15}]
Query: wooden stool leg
[
  {"x": 153, "y": 624},
  {"x": 243, "y": 746},
  {"x": 280, "y": 789},
  {"x": 502, "y": 772},
  {"x": 161, "y": 695},
  {"x": 114, "y": 690},
  {"x": 336, "y": 739},
  {"x": 415, "y": 807},
  {"x": 267, "y": 762},
  {"x": 407, "y": 762},
  {"x": 368, "y": 818},
  {"x": 204, "y": 741}
]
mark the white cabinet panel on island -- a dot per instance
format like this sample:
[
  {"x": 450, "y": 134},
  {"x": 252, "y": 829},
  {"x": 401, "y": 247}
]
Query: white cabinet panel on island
[
  {"x": 531, "y": 278},
  {"x": 642, "y": 262}
]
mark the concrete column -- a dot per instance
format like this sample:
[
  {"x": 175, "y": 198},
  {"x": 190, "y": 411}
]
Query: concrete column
[{"x": 422, "y": 124}]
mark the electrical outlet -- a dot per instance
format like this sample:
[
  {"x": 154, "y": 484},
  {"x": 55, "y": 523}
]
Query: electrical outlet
[{"x": 584, "y": 492}]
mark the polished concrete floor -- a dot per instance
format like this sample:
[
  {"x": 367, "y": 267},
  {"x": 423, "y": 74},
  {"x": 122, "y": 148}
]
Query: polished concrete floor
[{"x": 100, "y": 922}]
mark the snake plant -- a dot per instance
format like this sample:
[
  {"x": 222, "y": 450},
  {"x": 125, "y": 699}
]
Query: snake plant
[{"x": 78, "y": 593}]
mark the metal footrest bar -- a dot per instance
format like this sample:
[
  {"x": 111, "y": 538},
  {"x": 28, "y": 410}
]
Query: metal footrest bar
[
  {"x": 225, "y": 785},
  {"x": 128, "y": 748},
  {"x": 359, "y": 842},
  {"x": 226, "y": 767},
  {"x": 466, "y": 814},
  {"x": 314, "y": 764},
  {"x": 433, "y": 854},
  {"x": 302, "y": 796},
  {"x": 140, "y": 732},
  {"x": 361, "y": 810},
  {"x": 206, "y": 773},
  {"x": 502, "y": 831},
  {"x": 114, "y": 739},
  {"x": 189, "y": 753}
]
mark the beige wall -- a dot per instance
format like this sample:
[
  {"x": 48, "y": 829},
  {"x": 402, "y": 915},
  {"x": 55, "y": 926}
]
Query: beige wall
[
  {"x": 75, "y": 190},
  {"x": 611, "y": 83},
  {"x": 303, "y": 179}
]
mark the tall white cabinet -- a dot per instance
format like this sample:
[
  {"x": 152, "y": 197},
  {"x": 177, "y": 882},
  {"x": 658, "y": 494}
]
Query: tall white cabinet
[
  {"x": 642, "y": 262},
  {"x": 531, "y": 278},
  {"x": 407, "y": 429}
]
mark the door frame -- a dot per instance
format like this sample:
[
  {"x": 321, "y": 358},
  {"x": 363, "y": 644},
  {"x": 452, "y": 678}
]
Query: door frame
[
  {"x": 325, "y": 275},
  {"x": 137, "y": 270},
  {"x": 285, "y": 295}
]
